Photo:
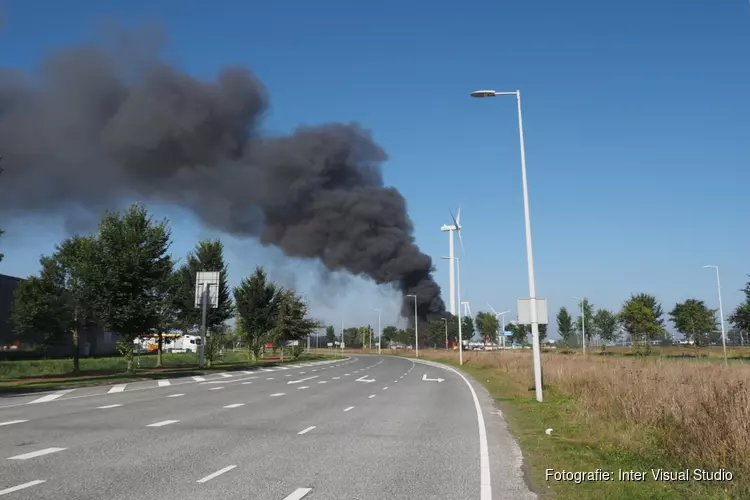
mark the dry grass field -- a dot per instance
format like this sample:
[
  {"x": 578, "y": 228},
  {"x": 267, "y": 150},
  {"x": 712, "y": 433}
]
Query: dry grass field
[{"x": 623, "y": 412}]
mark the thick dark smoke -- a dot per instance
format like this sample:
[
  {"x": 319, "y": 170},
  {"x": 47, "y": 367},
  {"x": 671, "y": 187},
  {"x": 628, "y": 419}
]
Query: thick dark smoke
[{"x": 95, "y": 126}]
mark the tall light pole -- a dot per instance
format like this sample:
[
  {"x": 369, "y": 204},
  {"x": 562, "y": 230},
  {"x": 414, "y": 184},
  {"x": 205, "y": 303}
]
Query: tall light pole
[
  {"x": 445, "y": 320},
  {"x": 721, "y": 314},
  {"x": 502, "y": 324},
  {"x": 460, "y": 316},
  {"x": 583, "y": 325},
  {"x": 380, "y": 332},
  {"x": 529, "y": 247},
  {"x": 416, "y": 326}
]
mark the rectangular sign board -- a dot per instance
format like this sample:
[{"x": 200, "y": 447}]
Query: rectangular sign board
[
  {"x": 524, "y": 311},
  {"x": 210, "y": 280}
]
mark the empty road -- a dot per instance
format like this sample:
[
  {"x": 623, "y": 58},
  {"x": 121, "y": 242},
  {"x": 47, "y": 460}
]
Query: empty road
[{"x": 366, "y": 427}]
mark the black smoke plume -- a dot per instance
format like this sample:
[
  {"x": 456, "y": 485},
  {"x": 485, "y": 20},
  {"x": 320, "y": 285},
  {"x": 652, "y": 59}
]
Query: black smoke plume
[{"x": 97, "y": 124}]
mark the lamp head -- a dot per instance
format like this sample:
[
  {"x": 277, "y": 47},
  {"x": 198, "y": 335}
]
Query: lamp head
[{"x": 483, "y": 93}]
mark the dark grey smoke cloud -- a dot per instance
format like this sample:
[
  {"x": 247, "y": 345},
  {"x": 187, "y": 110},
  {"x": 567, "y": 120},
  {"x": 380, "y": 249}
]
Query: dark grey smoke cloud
[{"x": 98, "y": 124}]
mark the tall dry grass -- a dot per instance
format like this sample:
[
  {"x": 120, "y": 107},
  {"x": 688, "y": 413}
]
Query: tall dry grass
[{"x": 696, "y": 413}]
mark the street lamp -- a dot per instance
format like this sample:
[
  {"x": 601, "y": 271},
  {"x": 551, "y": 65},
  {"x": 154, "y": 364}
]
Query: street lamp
[
  {"x": 502, "y": 324},
  {"x": 380, "y": 332},
  {"x": 583, "y": 325},
  {"x": 460, "y": 318},
  {"x": 416, "y": 326},
  {"x": 529, "y": 248},
  {"x": 445, "y": 320},
  {"x": 721, "y": 314}
]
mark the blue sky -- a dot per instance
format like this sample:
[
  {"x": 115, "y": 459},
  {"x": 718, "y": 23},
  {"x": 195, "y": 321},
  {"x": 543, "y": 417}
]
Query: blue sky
[{"x": 635, "y": 117}]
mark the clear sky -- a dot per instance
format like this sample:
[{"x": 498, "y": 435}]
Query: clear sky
[{"x": 635, "y": 113}]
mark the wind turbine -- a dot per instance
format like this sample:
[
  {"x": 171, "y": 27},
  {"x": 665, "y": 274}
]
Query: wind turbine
[
  {"x": 502, "y": 315},
  {"x": 455, "y": 227}
]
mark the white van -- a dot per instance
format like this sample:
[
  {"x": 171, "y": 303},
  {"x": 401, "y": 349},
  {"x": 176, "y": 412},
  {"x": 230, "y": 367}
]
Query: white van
[{"x": 186, "y": 343}]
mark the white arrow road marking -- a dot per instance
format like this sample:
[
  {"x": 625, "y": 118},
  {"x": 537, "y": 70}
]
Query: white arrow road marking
[
  {"x": 299, "y": 494},
  {"x": 364, "y": 378},
  {"x": 216, "y": 474},
  {"x": 424, "y": 378},
  {"x": 22, "y": 486},
  {"x": 301, "y": 380}
]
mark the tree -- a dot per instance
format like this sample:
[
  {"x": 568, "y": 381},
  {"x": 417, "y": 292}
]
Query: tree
[
  {"x": 40, "y": 312},
  {"x": 291, "y": 320},
  {"x": 467, "y": 328},
  {"x": 519, "y": 333},
  {"x": 565, "y": 326},
  {"x": 641, "y": 318},
  {"x": 606, "y": 325},
  {"x": 330, "y": 334},
  {"x": 740, "y": 319},
  {"x": 132, "y": 270},
  {"x": 695, "y": 321},
  {"x": 390, "y": 334},
  {"x": 588, "y": 316},
  {"x": 208, "y": 256},
  {"x": 215, "y": 343},
  {"x": 168, "y": 314},
  {"x": 256, "y": 300},
  {"x": 542, "y": 332},
  {"x": 487, "y": 325}
]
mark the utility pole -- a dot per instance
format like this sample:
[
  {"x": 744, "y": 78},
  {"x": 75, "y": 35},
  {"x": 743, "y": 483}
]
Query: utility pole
[{"x": 204, "y": 281}]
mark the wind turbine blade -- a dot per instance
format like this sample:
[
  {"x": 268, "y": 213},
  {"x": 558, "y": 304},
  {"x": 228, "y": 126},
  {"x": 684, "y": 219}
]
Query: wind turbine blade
[
  {"x": 458, "y": 217},
  {"x": 455, "y": 221},
  {"x": 493, "y": 309},
  {"x": 461, "y": 240}
]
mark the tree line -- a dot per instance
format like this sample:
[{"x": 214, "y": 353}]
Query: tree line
[{"x": 123, "y": 279}]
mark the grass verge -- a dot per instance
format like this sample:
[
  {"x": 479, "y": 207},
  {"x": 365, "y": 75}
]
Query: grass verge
[{"x": 621, "y": 414}]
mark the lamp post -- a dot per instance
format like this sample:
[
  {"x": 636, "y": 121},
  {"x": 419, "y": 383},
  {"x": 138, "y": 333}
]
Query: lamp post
[
  {"x": 460, "y": 316},
  {"x": 721, "y": 314},
  {"x": 445, "y": 320},
  {"x": 380, "y": 332},
  {"x": 502, "y": 324},
  {"x": 416, "y": 326},
  {"x": 583, "y": 325},
  {"x": 529, "y": 247}
]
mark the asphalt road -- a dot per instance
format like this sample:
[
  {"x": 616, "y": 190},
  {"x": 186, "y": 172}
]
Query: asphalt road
[{"x": 367, "y": 427}]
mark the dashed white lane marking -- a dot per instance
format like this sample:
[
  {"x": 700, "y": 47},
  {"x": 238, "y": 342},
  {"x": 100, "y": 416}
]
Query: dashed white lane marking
[
  {"x": 22, "y": 486},
  {"x": 346, "y": 374},
  {"x": 215, "y": 388},
  {"x": 247, "y": 372},
  {"x": 278, "y": 394},
  {"x": 199, "y": 379},
  {"x": 235, "y": 405},
  {"x": 216, "y": 474},
  {"x": 302, "y": 373},
  {"x": 11, "y": 422},
  {"x": 288, "y": 375},
  {"x": 322, "y": 382},
  {"x": 269, "y": 378},
  {"x": 226, "y": 375},
  {"x": 371, "y": 396},
  {"x": 163, "y": 423},
  {"x": 245, "y": 383},
  {"x": 304, "y": 387},
  {"x": 266, "y": 369},
  {"x": 385, "y": 388},
  {"x": 347, "y": 409},
  {"x": 35, "y": 454},
  {"x": 336, "y": 378},
  {"x": 299, "y": 494},
  {"x": 164, "y": 383},
  {"x": 107, "y": 407},
  {"x": 117, "y": 388},
  {"x": 51, "y": 397},
  {"x": 283, "y": 367},
  {"x": 305, "y": 431},
  {"x": 175, "y": 395}
]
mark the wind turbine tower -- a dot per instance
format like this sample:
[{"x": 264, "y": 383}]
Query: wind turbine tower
[{"x": 455, "y": 227}]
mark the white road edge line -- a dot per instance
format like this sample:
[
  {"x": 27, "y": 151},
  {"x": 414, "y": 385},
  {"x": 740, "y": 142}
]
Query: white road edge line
[
  {"x": 163, "y": 423},
  {"x": 22, "y": 486},
  {"x": 11, "y": 422},
  {"x": 484, "y": 454},
  {"x": 299, "y": 494},
  {"x": 216, "y": 474},
  {"x": 35, "y": 454},
  {"x": 305, "y": 431}
]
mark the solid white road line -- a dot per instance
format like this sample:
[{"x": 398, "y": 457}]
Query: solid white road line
[
  {"x": 35, "y": 454},
  {"x": 164, "y": 383},
  {"x": 11, "y": 422},
  {"x": 163, "y": 423},
  {"x": 51, "y": 397},
  {"x": 107, "y": 407},
  {"x": 235, "y": 405},
  {"x": 22, "y": 486},
  {"x": 371, "y": 396},
  {"x": 175, "y": 395},
  {"x": 347, "y": 409},
  {"x": 305, "y": 431},
  {"x": 277, "y": 394},
  {"x": 215, "y": 388},
  {"x": 216, "y": 474},
  {"x": 117, "y": 388},
  {"x": 199, "y": 379},
  {"x": 226, "y": 375},
  {"x": 299, "y": 494}
]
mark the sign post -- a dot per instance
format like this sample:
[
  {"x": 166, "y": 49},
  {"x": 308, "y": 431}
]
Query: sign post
[{"x": 206, "y": 295}]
